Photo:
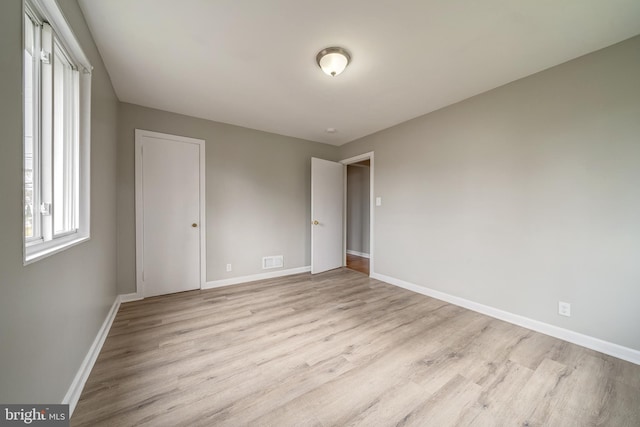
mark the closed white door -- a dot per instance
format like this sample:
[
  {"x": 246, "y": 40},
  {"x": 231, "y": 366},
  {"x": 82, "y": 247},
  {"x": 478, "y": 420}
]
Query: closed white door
[
  {"x": 327, "y": 197},
  {"x": 169, "y": 213}
]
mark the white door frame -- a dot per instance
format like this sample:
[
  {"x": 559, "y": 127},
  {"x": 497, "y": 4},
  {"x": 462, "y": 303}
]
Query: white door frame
[
  {"x": 345, "y": 162},
  {"x": 140, "y": 133}
]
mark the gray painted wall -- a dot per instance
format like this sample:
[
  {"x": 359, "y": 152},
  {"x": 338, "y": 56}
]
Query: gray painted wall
[
  {"x": 51, "y": 311},
  {"x": 358, "y": 208},
  {"x": 258, "y": 193},
  {"x": 523, "y": 196}
]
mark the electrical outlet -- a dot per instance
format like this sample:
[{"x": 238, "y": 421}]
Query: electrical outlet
[
  {"x": 564, "y": 309},
  {"x": 228, "y": 267}
]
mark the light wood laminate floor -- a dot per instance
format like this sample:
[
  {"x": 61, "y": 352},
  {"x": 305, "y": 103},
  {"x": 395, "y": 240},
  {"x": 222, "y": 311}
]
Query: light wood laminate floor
[{"x": 340, "y": 349}]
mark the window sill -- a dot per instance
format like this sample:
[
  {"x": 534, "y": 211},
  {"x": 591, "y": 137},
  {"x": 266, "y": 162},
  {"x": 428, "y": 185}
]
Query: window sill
[{"x": 37, "y": 252}]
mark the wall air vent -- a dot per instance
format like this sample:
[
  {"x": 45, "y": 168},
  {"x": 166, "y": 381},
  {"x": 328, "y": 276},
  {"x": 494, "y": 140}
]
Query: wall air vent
[{"x": 275, "y": 261}]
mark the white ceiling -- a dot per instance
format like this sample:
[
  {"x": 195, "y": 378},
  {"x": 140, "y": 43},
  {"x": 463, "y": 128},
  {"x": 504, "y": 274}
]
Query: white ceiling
[{"x": 252, "y": 62}]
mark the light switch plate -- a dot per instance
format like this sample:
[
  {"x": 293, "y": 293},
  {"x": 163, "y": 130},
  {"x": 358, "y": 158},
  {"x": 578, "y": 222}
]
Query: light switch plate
[{"x": 378, "y": 201}]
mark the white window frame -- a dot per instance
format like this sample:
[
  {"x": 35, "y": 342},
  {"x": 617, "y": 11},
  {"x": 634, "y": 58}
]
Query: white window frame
[{"x": 47, "y": 242}]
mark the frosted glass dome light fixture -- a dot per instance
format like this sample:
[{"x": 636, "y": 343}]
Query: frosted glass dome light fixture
[{"x": 333, "y": 60}]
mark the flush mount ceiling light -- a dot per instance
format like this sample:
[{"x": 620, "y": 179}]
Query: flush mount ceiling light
[{"x": 333, "y": 60}]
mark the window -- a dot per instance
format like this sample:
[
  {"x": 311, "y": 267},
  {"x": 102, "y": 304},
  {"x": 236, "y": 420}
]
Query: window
[{"x": 57, "y": 86}]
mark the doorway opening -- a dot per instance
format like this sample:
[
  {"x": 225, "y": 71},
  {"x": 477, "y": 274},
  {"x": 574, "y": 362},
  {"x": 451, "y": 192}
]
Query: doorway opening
[
  {"x": 358, "y": 217},
  {"x": 357, "y": 228}
]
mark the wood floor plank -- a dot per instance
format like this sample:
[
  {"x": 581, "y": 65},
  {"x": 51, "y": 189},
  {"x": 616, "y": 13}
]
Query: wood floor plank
[
  {"x": 492, "y": 408},
  {"x": 447, "y": 406},
  {"x": 340, "y": 400},
  {"x": 532, "y": 405},
  {"x": 338, "y": 349},
  {"x": 358, "y": 263}
]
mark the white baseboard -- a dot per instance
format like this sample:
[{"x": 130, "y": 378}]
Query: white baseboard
[
  {"x": 615, "y": 350},
  {"x": 254, "y": 277},
  {"x": 130, "y": 297},
  {"x": 356, "y": 253},
  {"x": 75, "y": 390}
]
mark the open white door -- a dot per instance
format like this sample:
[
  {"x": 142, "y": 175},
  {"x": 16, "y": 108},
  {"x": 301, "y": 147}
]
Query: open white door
[
  {"x": 327, "y": 198},
  {"x": 169, "y": 213}
]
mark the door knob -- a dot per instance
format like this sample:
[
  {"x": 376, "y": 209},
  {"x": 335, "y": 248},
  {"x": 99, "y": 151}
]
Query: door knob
[
  {"x": 315, "y": 222},
  {"x": 194, "y": 225}
]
